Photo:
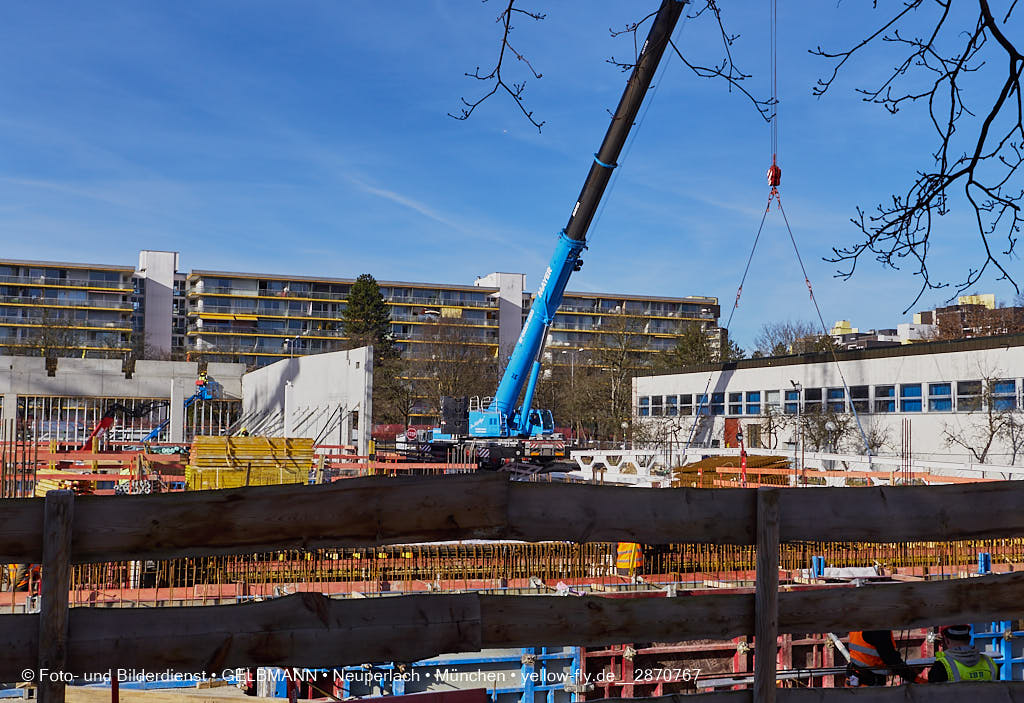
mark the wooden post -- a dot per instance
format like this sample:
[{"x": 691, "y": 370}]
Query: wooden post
[
  {"x": 58, "y": 513},
  {"x": 766, "y": 595}
]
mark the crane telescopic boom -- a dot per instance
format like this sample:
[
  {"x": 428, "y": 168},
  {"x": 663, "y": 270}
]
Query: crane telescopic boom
[{"x": 501, "y": 419}]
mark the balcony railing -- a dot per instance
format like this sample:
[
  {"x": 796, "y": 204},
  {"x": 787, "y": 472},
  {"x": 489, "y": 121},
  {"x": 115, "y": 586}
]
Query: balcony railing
[
  {"x": 261, "y": 312},
  {"x": 124, "y": 305},
  {"x": 255, "y": 332},
  {"x": 72, "y": 282}
]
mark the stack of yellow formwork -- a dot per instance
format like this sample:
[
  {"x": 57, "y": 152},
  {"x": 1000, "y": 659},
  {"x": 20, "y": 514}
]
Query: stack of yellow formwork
[{"x": 230, "y": 462}]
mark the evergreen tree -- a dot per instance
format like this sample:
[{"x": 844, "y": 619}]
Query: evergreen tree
[{"x": 367, "y": 318}]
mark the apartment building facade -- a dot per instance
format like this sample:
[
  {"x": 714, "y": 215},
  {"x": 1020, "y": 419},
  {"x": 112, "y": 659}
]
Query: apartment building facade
[
  {"x": 52, "y": 308},
  {"x": 154, "y": 309}
]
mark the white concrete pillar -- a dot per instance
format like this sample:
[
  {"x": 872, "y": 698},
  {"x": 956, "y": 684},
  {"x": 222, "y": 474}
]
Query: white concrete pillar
[
  {"x": 177, "y": 411},
  {"x": 289, "y": 409},
  {"x": 10, "y": 406}
]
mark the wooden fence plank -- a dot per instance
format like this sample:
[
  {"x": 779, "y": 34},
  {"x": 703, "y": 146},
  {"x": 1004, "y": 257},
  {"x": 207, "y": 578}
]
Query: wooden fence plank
[
  {"x": 381, "y": 510},
  {"x": 356, "y": 512},
  {"x": 59, "y": 510},
  {"x": 311, "y": 630},
  {"x": 903, "y": 513},
  {"x": 902, "y": 605},
  {"x": 766, "y": 595},
  {"x": 586, "y": 513},
  {"x": 21, "y": 536}
]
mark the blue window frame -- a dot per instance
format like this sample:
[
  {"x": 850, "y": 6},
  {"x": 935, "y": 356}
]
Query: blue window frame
[
  {"x": 885, "y": 399},
  {"x": 836, "y": 400},
  {"x": 910, "y": 397},
  {"x": 1004, "y": 395},
  {"x": 753, "y": 402},
  {"x": 940, "y": 397}
]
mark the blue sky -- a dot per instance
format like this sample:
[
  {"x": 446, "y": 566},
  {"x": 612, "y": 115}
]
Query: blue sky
[{"x": 313, "y": 138}]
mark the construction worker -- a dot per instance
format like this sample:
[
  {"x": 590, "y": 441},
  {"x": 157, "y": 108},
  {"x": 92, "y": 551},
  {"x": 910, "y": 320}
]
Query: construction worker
[
  {"x": 959, "y": 660},
  {"x": 244, "y": 432},
  {"x": 628, "y": 558},
  {"x": 876, "y": 649}
]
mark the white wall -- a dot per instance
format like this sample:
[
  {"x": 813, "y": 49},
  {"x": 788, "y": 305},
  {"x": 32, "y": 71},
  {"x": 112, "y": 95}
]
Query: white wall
[
  {"x": 927, "y": 428},
  {"x": 158, "y": 269},
  {"x": 26, "y": 375},
  {"x": 510, "y": 309},
  {"x": 311, "y": 393}
]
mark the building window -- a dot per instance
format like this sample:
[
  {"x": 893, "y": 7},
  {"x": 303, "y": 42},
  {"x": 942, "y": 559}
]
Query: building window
[
  {"x": 656, "y": 407},
  {"x": 968, "y": 396},
  {"x": 753, "y": 402},
  {"x": 1004, "y": 395},
  {"x": 644, "y": 406},
  {"x": 859, "y": 398},
  {"x": 885, "y": 399},
  {"x": 940, "y": 397},
  {"x": 671, "y": 407},
  {"x": 792, "y": 406},
  {"x": 735, "y": 403},
  {"x": 772, "y": 399},
  {"x": 718, "y": 403},
  {"x": 836, "y": 400},
  {"x": 910, "y": 397},
  {"x": 812, "y": 400},
  {"x": 702, "y": 404},
  {"x": 686, "y": 404}
]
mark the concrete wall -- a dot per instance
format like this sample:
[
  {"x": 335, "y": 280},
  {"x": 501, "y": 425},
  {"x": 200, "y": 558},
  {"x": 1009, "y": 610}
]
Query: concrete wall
[
  {"x": 323, "y": 396},
  {"x": 927, "y": 427},
  {"x": 26, "y": 375}
]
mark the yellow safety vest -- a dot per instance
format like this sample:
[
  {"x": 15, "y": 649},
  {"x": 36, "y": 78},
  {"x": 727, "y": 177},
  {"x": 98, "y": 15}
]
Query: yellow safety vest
[
  {"x": 984, "y": 670},
  {"x": 627, "y": 556}
]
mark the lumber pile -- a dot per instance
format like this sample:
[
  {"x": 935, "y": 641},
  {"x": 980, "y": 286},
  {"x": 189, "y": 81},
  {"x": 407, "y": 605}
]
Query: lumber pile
[
  {"x": 231, "y": 462},
  {"x": 704, "y": 473}
]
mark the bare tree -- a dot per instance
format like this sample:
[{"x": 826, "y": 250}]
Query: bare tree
[
  {"x": 779, "y": 338},
  {"x": 498, "y": 81},
  {"x": 986, "y": 423},
  {"x": 979, "y": 135},
  {"x": 942, "y": 55},
  {"x": 452, "y": 362}
]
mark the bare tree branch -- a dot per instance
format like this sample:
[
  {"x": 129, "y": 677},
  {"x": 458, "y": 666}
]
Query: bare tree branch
[
  {"x": 978, "y": 153},
  {"x": 495, "y": 78}
]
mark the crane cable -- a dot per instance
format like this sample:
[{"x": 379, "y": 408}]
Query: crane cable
[{"x": 774, "y": 176}]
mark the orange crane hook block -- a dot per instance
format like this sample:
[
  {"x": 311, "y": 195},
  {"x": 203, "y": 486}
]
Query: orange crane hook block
[{"x": 774, "y": 174}]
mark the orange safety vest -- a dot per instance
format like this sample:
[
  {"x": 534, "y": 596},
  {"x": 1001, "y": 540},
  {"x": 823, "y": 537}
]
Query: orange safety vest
[
  {"x": 628, "y": 556},
  {"x": 864, "y": 655}
]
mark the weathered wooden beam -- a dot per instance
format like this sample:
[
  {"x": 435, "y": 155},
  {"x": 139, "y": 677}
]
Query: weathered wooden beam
[
  {"x": 310, "y": 630},
  {"x": 21, "y": 534},
  {"x": 356, "y": 512},
  {"x": 903, "y": 513},
  {"x": 380, "y": 510},
  {"x": 59, "y": 510}
]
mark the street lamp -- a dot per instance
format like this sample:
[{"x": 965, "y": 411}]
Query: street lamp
[
  {"x": 625, "y": 426},
  {"x": 798, "y": 447},
  {"x": 289, "y": 344},
  {"x": 572, "y": 387}
]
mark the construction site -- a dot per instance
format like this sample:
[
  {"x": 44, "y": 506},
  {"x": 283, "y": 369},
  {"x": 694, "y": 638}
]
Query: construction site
[{"x": 825, "y": 524}]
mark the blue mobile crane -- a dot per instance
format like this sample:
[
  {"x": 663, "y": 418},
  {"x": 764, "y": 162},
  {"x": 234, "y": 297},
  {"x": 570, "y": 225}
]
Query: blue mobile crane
[{"x": 500, "y": 430}]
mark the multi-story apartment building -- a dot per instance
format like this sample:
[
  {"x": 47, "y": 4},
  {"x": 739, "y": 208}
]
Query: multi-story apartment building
[
  {"x": 259, "y": 318},
  {"x": 65, "y": 309}
]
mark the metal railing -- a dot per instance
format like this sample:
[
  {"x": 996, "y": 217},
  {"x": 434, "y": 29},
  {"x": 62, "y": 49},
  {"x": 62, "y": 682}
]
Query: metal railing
[{"x": 73, "y": 282}]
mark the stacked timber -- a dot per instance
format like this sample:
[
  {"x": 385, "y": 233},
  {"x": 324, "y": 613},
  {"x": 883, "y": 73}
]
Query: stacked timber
[
  {"x": 718, "y": 471},
  {"x": 231, "y": 462}
]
